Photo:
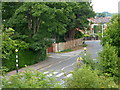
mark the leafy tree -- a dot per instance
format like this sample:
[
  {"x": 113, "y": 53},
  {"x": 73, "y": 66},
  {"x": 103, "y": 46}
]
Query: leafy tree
[
  {"x": 9, "y": 45},
  {"x": 111, "y": 34},
  {"x": 110, "y": 55},
  {"x": 8, "y": 10},
  {"x": 65, "y": 17},
  {"x": 101, "y": 15}
]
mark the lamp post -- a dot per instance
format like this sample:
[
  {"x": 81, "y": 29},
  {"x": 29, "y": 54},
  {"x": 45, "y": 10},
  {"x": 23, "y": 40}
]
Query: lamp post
[{"x": 16, "y": 60}]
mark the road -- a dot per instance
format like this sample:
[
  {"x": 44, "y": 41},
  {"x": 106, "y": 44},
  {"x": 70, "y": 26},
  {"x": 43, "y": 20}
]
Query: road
[{"x": 67, "y": 61}]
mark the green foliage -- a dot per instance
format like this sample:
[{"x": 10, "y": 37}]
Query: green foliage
[
  {"x": 85, "y": 77},
  {"x": 109, "y": 57},
  {"x": 25, "y": 57},
  {"x": 86, "y": 35},
  {"x": 37, "y": 23},
  {"x": 98, "y": 28},
  {"x": 78, "y": 35},
  {"x": 109, "y": 60},
  {"x": 111, "y": 33},
  {"x": 89, "y": 61},
  {"x": 29, "y": 79},
  {"x": 94, "y": 64},
  {"x": 51, "y": 17},
  {"x": 84, "y": 45},
  {"x": 9, "y": 45},
  {"x": 100, "y": 15},
  {"x": 3, "y": 70},
  {"x": 66, "y": 50}
]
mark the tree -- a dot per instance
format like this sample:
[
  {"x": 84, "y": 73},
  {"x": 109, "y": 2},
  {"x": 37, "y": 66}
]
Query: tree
[
  {"x": 101, "y": 15},
  {"x": 9, "y": 45},
  {"x": 111, "y": 34},
  {"x": 110, "y": 55},
  {"x": 65, "y": 18}
]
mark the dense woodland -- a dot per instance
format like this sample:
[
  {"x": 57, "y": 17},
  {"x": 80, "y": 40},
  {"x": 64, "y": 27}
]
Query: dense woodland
[{"x": 33, "y": 26}]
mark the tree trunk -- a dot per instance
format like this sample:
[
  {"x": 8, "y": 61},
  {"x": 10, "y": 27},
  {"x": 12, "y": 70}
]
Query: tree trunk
[
  {"x": 72, "y": 34},
  {"x": 36, "y": 24},
  {"x": 29, "y": 21}
]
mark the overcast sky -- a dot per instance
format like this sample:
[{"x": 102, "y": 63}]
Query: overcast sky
[{"x": 105, "y": 5}]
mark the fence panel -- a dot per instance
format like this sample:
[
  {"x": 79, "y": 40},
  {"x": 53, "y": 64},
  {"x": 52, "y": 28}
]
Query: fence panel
[{"x": 57, "y": 47}]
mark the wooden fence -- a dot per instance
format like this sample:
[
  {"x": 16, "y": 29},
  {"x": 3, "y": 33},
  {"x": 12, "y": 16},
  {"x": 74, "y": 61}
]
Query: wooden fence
[{"x": 57, "y": 47}]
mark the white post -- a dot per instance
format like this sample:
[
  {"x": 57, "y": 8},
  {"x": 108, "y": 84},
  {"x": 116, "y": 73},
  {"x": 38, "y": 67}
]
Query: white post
[
  {"x": 85, "y": 51},
  {"x": 16, "y": 60}
]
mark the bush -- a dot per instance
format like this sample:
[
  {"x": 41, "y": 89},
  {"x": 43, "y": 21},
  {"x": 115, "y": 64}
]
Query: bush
[
  {"x": 83, "y": 78},
  {"x": 3, "y": 70},
  {"x": 94, "y": 64},
  {"x": 87, "y": 78},
  {"x": 29, "y": 79},
  {"x": 109, "y": 60},
  {"x": 26, "y": 57},
  {"x": 86, "y": 35}
]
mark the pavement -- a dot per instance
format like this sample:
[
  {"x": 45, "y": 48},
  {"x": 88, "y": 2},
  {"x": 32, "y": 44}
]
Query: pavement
[{"x": 53, "y": 59}]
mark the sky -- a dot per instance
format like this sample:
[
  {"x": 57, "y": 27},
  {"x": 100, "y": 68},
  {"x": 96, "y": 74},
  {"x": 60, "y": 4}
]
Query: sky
[{"x": 105, "y": 5}]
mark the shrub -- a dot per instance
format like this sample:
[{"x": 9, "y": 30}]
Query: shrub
[
  {"x": 29, "y": 79},
  {"x": 85, "y": 77},
  {"x": 3, "y": 70},
  {"x": 109, "y": 60},
  {"x": 26, "y": 57},
  {"x": 94, "y": 64}
]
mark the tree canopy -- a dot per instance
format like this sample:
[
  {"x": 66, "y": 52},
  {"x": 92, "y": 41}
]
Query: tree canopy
[{"x": 53, "y": 18}]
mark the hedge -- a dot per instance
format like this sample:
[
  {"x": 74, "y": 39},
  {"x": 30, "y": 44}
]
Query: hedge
[{"x": 26, "y": 57}]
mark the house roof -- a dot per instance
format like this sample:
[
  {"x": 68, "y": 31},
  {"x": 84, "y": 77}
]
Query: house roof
[{"x": 99, "y": 20}]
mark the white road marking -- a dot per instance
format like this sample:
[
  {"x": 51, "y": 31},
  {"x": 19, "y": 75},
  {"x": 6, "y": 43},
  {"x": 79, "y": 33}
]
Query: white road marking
[
  {"x": 46, "y": 72},
  {"x": 58, "y": 62},
  {"x": 46, "y": 67},
  {"x": 73, "y": 63},
  {"x": 55, "y": 72},
  {"x": 69, "y": 75},
  {"x": 66, "y": 55},
  {"x": 67, "y": 66},
  {"x": 59, "y": 75}
]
